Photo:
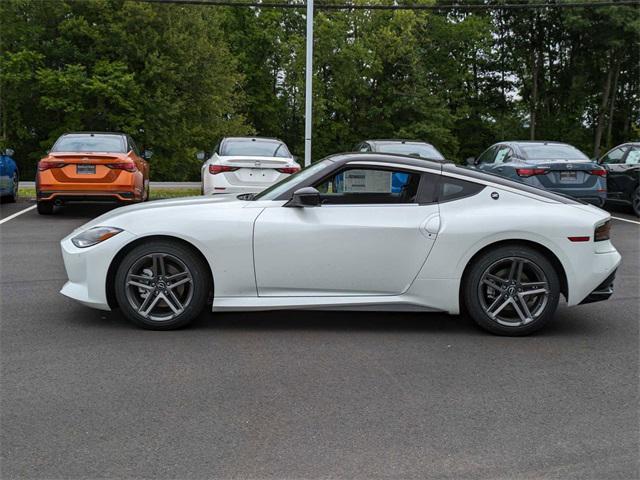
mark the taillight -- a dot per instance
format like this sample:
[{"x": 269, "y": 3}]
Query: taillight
[
  {"x": 602, "y": 232},
  {"x": 288, "y": 169},
  {"x": 128, "y": 166},
  {"x": 215, "y": 169},
  {"x": 530, "y": 172},
  {"x": 601, "y": 172},
  {"x": 47, "y": 164}
]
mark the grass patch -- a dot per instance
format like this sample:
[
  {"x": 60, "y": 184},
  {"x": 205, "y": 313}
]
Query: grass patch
[{"x": 156, "y": 193}]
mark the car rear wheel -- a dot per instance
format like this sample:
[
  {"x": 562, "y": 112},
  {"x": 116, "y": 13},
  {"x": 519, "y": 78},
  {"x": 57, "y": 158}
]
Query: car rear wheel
[
  {"x": 45, "y": 208},
  {"x": 162, "y": 285},
  {"x": 512, "y": 290},
  {"x": 635, "y": 202}
]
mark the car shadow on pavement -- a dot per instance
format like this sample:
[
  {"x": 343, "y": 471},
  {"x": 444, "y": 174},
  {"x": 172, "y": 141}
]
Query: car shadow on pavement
[
  {"x": 84, "y": 210},
  {"x": 567, "y": 323}
]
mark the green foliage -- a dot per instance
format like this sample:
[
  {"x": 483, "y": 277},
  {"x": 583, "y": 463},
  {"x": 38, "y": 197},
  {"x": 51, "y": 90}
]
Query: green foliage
[{"x": 179, "y": 77}]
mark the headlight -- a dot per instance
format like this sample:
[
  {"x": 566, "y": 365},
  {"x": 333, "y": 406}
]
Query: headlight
[{"x": 94, "y": 236}]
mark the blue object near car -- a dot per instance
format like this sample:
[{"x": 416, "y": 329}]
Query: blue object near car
[
  {"x": 554, "y": 166},
  {"x": 9, "y": 176}
]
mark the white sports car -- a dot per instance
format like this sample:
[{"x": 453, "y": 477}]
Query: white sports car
[
  {"x": 341, "y": 235},
  {"x": 246, "y": 165}
]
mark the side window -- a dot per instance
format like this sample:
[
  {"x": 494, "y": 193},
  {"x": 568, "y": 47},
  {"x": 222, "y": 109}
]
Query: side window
[
  {"x": 487, "y": 155},
  {"x": 133, "y": 146},
  {"x": 614, "y": 156},
  {"x": 633, "y": 157},
  {"x": 369, "y": 186},
  {"x": 364, "y": 147},
  {"x": 454, "y": 188},
  {"x": 503, "y": 155}
]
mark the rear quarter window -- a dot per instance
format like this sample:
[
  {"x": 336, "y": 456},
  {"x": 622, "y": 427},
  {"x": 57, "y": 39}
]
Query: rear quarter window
[{"x": 451, "y": 188}]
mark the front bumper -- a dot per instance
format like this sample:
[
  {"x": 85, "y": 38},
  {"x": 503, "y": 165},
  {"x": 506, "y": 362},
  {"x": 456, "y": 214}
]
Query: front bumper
[{"x": 87, "y": 269}]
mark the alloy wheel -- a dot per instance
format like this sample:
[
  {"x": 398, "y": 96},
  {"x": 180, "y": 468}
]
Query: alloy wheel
[
  {"x": 513, "y": 291},
  {"x": 159, "y": 286}
]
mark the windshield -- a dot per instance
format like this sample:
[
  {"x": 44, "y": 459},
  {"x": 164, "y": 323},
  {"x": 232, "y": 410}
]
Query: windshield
[
  {"x": 274, "y": 191},
  {"x": 254, "y": 147},
  {"x": 552, "y": 151},
  {"x": 88, "y": 142},
  {"x": 422, "y": 150}
]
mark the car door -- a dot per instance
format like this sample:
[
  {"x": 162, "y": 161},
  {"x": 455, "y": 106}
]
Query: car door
[
  {"x": 4, "y": 169},
  {"x": 614, "y": 163},
  {"x": 364, "y": 239},
  {"x": 627, "y": 174}
]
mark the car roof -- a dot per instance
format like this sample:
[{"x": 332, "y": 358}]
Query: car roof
[
  {"x": 268, "y": 139},
  {"x": 400, "y": 160},
  {"x": 92, "y": 133},
  {"x": 394, "y": 140}
]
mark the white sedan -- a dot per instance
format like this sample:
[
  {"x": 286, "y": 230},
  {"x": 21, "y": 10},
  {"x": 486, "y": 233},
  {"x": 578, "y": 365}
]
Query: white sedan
[
  {"x": 341, "y": 235},
  {"x": 246, "y": 165}
]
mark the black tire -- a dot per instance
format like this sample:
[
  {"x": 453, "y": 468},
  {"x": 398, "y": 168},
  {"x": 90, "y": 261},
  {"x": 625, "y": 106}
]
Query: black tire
[
  {"x": 191, "y": 297},
  {"x": 508, "y": 295},
  {"x": 45, "y": 208},
  {"x": 635, "y": 202}
]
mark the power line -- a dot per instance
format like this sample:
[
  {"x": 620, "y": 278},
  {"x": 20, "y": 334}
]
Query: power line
[{"x": 450, "y": 6}]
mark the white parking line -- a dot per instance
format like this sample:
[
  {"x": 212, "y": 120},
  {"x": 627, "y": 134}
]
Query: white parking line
[
  {"x": 17, "y": 213},
  {"x": 626, "y": 220}
]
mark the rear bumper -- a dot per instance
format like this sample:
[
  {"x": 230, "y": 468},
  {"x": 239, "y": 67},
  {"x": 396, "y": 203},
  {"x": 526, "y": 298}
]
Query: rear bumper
[
  {"x": 65, "y": 196},
  {"x": 602, "y": 291}
]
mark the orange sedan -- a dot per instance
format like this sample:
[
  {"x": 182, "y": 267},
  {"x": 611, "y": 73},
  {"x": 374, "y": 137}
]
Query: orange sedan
[{"x": 92, "y": 167}]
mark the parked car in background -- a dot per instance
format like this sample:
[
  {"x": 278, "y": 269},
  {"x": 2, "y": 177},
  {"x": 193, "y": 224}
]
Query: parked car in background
[
  {"x": 246, "y": 165},
  {"x": 412, "y": 148},
  {"x": 554, "y": 166},
  {"x": 623, "y": 175},
  {"x": 336, "y": 237},
  {"x": 92, "y": 166},
  {"x": 9, "y": 176}
]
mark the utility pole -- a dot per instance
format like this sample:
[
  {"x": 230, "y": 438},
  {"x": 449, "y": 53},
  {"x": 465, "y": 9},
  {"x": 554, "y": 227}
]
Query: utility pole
[{"x": 308, "y": 96}]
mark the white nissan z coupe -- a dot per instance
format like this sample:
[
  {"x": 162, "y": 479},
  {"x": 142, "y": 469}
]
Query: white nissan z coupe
[{"x": 360, "y": 231}]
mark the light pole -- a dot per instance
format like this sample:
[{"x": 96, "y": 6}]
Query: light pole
[{"x": 308, "y": 95}]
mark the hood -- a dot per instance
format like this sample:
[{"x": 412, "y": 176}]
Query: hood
[{"x": 226, "y": 200}]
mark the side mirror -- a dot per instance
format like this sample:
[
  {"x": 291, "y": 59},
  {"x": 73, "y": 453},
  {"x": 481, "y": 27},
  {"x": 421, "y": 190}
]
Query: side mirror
[
  {"x": 202, "y": 156},
  {"x": 9, "y": 152},
  {"x": 305, "y": 197},
  {"x": 471, "y": 161},
  {"x": 147, "y": 154}
]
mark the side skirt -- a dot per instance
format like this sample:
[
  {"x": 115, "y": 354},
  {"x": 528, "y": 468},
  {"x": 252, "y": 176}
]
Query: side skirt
[{"x": 399, "y": 303}]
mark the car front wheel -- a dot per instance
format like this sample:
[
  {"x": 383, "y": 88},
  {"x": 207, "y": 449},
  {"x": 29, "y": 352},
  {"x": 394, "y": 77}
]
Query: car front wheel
[
  {"x": 162, "y": 285},
  {"x": 512, "y": 290}
]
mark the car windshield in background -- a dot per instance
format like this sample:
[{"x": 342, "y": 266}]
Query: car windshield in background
[
  {"x": 90, "y": 143},
  {"x": 282, "y": 186},
  {"x": 552, "y": 152},
  {"x": 254, "y": 148},
  {"x": 421, "y": 150}
]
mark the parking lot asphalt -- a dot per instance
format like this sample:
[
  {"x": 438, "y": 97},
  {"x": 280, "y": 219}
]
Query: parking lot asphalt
[{"x": 307, "y": 394}]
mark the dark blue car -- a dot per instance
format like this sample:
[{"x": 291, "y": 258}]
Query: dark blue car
[
  {"x": 9, "y": 176},
  {"x": 554, "y": 166}
]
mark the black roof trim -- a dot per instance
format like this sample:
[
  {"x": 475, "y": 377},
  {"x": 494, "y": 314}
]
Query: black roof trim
[{"x": 401, "y": 160}]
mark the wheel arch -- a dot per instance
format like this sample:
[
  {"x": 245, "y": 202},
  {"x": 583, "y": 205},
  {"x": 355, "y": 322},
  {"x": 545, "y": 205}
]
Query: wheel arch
[
  {"x": 113, "y": 266},
  {"x": 552, "y": 257}
]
